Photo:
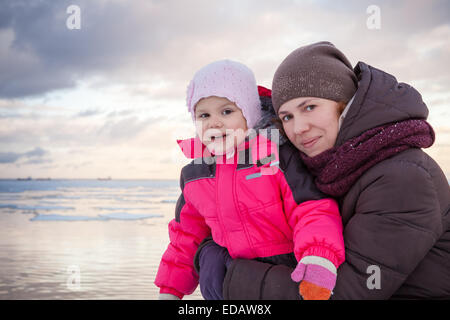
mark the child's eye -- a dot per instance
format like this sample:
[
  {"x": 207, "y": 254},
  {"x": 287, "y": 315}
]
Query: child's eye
[
  {"x": 203, "y": 115},
  {"x": 227, "y": 111}
]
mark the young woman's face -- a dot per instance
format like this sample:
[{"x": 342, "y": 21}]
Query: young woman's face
[
  {"x": 311, "y": 124},
  {"x": 220, "y": 124}
]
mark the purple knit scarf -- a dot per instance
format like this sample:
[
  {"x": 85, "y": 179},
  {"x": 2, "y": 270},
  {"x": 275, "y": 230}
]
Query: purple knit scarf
[{"x": 338, "y": 168}]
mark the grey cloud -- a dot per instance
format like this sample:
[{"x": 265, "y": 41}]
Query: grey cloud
[
  {"x": 9, "y": 157},
  {"x": 88, "y": 113},
  {"x": 33, "y": 156},
  {"x": 45, "y": 55},
  {"x": 122, "y": 113},
  {"x": 10, "y": 115},
  {"x": 143, "y": 39},
  {"x": 123, "y": 129},
  {"x": 404, "y": 16},
  {"x": 38, "y": 161},
  {"x": 76, "y": 132},
  {"x": 36, "y": 152},
  {"x": 169, "y": 39},
  {"x": 38, "y": 53}
]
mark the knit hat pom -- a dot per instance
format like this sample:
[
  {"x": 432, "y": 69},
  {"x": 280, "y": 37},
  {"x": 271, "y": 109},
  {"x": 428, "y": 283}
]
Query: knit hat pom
[{"x": 226, "y": 79}]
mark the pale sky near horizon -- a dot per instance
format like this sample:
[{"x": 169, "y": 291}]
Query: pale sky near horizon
[{"x": 108, "y": 99}]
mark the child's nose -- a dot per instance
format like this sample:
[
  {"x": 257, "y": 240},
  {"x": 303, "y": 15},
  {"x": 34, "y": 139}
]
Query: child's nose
[{"x": 215, "y": 123}]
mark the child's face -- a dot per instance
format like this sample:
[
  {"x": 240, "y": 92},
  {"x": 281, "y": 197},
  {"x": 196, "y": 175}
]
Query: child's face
[{"x": 220, "y": 124}]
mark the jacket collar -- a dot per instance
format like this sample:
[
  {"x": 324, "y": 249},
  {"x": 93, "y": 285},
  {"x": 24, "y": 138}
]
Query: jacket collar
[
  {"x": 249, "y": 151},
  {"x": 193, "y": 148}
]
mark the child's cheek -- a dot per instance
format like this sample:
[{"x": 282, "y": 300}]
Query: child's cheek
[{"x": 200, "y": 131}]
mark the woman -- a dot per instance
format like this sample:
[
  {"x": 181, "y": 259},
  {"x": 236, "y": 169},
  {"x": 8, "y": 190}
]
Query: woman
[{"x": 360, "y": 132}]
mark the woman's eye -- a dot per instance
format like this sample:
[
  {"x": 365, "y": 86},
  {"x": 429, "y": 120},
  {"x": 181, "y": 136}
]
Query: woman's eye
[
  {"x": 286, "y": 118},
  {"x": 310, "y": 107}
]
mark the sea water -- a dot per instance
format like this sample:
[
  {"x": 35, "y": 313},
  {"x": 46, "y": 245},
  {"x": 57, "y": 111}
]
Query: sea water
[{"x": 83, "y": 239}]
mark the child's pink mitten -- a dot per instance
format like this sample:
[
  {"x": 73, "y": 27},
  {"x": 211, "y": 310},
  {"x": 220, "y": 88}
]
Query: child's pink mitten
[{"x": 317, "y": 277}]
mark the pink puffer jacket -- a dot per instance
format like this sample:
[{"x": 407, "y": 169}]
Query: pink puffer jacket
[{"x": 261, "y": 204}]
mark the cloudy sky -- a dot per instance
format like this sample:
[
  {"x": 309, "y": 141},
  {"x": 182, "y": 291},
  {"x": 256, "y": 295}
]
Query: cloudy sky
[{"x": 108, "y": 99}]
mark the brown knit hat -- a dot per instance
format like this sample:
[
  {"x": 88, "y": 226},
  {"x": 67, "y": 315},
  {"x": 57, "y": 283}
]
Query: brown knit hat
[{"x": 317, "y": 70}]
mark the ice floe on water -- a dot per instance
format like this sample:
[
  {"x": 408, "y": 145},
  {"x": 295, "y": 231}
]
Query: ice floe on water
[
  {"x": 103, "y": 217},
  {"x": 89, "y": 200}
]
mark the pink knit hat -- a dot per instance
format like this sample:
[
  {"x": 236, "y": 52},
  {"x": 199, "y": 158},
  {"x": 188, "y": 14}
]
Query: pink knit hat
[{"x": 226, "y": 79}]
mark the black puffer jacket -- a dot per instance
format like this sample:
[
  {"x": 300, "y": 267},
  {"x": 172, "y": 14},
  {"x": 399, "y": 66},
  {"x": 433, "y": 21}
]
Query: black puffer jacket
[{"x": 396, "y": 216}]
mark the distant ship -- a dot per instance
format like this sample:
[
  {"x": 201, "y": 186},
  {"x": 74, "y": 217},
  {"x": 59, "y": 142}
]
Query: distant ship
[
  {"x": 104, "y": 179},
  {"x": 43, "y": 179},
  {"x": 24, "y": 179}
]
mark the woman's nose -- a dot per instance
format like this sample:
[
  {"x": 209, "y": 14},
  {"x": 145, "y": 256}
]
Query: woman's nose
[{"x": 300, "y": 126}]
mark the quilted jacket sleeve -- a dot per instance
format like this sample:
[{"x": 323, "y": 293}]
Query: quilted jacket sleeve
[
  {"x": 317, "y": 230},
  {"x": 176, "y": 274},
  {"x": 313, "y": 216}
]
